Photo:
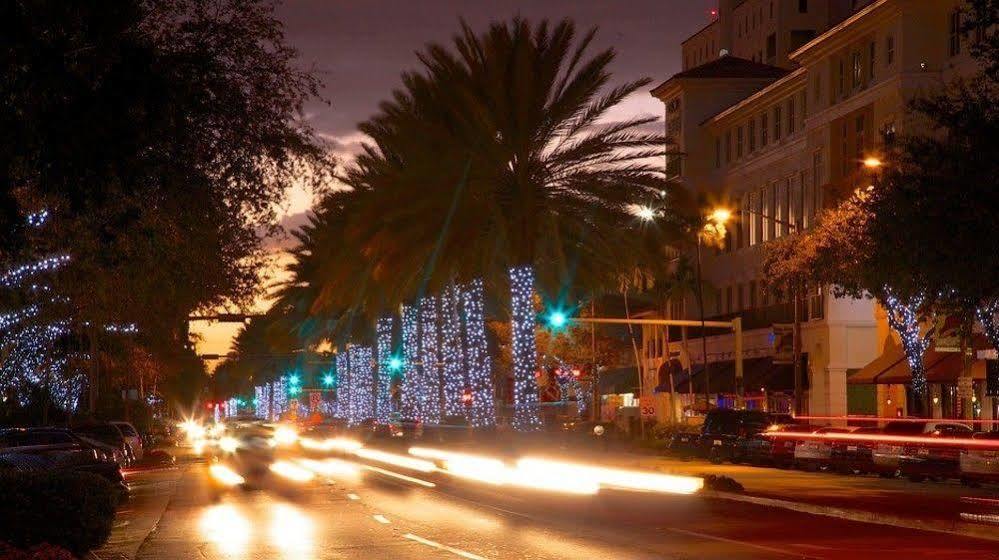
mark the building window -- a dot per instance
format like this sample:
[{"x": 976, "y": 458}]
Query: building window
[
  {"x": 763, "y": 130},
  {"x": 728, "y": 146},
  {"x": 771, "y": 47},
  {"x": 955, "y": 32},
  {"x": 784, "y": 194},
  {"x": 718, "y": 161},
  {"x": 802, "y": 6},
  {"x": 752, "y": 294},
  {"x": 804, "y": 108},
  {"x": 817, "y": 178},
  {"x": 859, "y": 141},
  {"x": 751, "y": 135},
  {"x": 728, "y": 299},
  {"x": 794, "y": 204},
  {"x": 738, "y": 297},
  {"x": 870, "y": 61},
  {"x": 857, "y": 70},
  {"x": 889, "y": 50},
  {"x": 777, "y": 123},
  {"x": 790, "y": 116},
  {"x": 758, "y": 215},
  {"x": 771, "y": 9},
  {"x": 806, "y": 203},
  {"x": 818, "y": 86},
  {"x": 738, "y": 143}
]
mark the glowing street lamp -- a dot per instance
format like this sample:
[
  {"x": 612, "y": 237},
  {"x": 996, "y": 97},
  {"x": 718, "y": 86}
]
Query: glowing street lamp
[
  {"x": 720, "y": 215},
  {"x": 645, "y": 213},
  {"x": 873, "y": 163}
]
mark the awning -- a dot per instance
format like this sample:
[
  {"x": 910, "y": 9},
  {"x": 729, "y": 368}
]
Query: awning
[
  {"x": 757, "y": 374},
  {"x": 892, "y": 367}
]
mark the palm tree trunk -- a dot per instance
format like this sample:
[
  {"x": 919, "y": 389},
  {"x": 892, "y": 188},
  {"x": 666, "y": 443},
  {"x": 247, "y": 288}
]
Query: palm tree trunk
[{"x": 525, "y": 355}]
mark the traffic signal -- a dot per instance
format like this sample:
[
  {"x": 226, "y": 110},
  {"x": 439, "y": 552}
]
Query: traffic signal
[
  {"x": 293, "y": 380},
  {"x": 395, "y": 363},
  {"x": 328, "y": 380},
  {"x": 556, "y": 319}
]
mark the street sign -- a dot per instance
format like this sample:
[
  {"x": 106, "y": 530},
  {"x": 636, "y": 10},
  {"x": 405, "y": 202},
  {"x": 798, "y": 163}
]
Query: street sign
[{"x": 647, "y": 406}]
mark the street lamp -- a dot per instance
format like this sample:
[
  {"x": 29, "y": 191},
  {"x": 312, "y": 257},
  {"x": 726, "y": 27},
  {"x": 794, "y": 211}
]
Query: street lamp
[
  {"x": 645, "y": 213},
  {"x": 872, "y": 163}
]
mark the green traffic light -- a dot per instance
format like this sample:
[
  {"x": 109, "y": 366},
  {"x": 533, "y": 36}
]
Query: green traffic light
[
  {"x": 557, "y": 319},
  {"x": 395, "y": 363},
  {"x": 293, "y": 380},
  {"x": 328, "y": 380}
]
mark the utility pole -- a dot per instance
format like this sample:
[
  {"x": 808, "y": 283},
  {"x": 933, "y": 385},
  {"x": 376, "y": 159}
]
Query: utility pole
[{"x": 704, "y": 340}]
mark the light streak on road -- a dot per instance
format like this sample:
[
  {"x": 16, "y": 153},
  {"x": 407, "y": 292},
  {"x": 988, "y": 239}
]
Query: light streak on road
[
  {"x": 539, "y": 475},
  {"x": 291, "y": 471},
  {"x": 464, "y": 465},
  {"x": 343, "y": 444},
  {"x": 228, "y": 444},
  {"x": 225, "y": 527},
  {"x": 443, "y": 547},
  {"x": 396, "y": 460},
  {"x": 406, "y": 478},
  {"x": 285, "y": 435},
  {"x": 856, "y": 418},
  {"x": 381, "y": 519},
  {"x": 888, "y": 439},
  {"x": 225, "y": 475},
  {"x": 354, "y": 497},
  {"x": 616, "y": 478},
  {"x": 291, "y": 531},
  {"x": 330, "y": 467}
]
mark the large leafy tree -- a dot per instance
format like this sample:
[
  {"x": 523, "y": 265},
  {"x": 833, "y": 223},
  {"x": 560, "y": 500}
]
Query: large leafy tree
[
  {"x": 162, "y": 136},
  {"x": 496, "y": 157}
]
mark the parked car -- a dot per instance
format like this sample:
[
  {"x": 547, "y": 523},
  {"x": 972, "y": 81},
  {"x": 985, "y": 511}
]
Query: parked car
[
  {"x": 405, "y": 428},
  {"x": 887, "y": 457},
  {"x": 108, "y": 434},
  {"x": 854, "y": 456},
  {"x": 936, "y": 462},
  {"x": 131, "y": 436},
  {"x": 58, "y": 448},
  {"x": 765, "y": 449},
  {"x": 724, "y": 430},
  {"x": 683, "y": 445},
  {"x": 980, "y": 465},
  {"x": 815, "y": 454}
]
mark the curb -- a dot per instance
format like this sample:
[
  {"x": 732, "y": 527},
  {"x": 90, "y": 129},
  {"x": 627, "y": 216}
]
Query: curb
[{"x": 863, "y": 516}]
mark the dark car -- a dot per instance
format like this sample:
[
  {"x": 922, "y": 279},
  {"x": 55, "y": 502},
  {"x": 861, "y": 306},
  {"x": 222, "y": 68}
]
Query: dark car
[
  {"x": 980, "y": 464},
  {"x": 854, "y": 456},
  {"x": 108, "y": 434},
  {"x": 935, "y": 461},
  {"x": 58, "y": 448},
  {"x": 888, "y": 455},
  {"x": 724, "y": 433},
  {"x": 684, "y": 444},
  {"x": 769, "y": 448}
]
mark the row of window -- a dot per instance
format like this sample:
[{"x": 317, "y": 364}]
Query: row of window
[
  {"x": 784, "y": 117},
  {"x": 745, "y": 296},
  {"x": 701, "y": 55},
  {"x": 780, "y": 208},
  {"x": 743, "y": 27}
]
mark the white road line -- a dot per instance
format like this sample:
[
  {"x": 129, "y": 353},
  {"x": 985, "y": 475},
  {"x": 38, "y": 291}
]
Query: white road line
[
  {"x": 381, "y": 519},
  {"x": 401, "y": 476},
  {"x": 353, "y": 496},
  {"x": 738, "y": 542},
  {"x": 443, "y": 547}
]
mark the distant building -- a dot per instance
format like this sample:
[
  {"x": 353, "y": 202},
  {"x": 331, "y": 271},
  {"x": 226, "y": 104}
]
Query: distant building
[{"x": 776, "y": 129}]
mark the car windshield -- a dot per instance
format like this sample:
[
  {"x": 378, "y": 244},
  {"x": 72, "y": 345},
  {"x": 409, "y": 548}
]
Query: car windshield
[
  {"x": 127, "y": 430},
  {"x": 17, "y": 439}
]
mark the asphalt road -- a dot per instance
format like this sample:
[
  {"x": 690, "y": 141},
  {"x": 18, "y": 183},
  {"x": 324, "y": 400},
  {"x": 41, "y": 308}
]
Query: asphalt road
[{"x": 187, "y": 515}]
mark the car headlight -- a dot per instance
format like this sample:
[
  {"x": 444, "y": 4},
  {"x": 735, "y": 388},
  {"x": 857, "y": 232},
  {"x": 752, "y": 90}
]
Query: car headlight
[{"x": 228, "y": 444}]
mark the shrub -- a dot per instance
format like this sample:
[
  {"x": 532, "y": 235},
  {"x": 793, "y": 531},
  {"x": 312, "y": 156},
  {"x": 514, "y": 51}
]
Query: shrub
[{"x": 72, "y": 510}]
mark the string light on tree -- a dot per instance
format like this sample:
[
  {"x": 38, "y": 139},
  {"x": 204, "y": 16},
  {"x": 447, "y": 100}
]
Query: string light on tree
[
  {"x": 430, "y": 371},
  {"x": 13, "y": 277},
  {"x": 411, "y": 386},
  {"x": 480, "y": 379},
  {"x": 383, "y": 336},
  {"x": 362, "y": 383},
  {"x": 525, "y": 386},
  {"x": 342, "y": 402},
  {"x": 903, "y": 318},
  {"x": 280, "y": 399},
  {"x": 452, "y": 353}
]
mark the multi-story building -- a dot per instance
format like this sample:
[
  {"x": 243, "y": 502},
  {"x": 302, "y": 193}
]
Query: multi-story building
[{"x": 777, "y": 106}]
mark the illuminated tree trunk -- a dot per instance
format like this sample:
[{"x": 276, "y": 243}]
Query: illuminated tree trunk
[
  {"x": 430, "y": 398},
  {"x": 452, "y": 353},
  {"x": 903, "y": 319},
  {"x": 412, "y": 383},
  {"x": 383, "y": 334},
  {"x": 480, "y": 378},
  {"x": 525, "y": 357}
]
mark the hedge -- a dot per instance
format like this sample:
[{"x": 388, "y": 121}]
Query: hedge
[{"x": 73, "y": 510}]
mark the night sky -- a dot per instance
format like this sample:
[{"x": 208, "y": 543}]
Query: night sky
[{"x": 360, "y": 47}]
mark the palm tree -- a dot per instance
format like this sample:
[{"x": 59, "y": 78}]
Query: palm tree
[{"x": 497, "y": 161}]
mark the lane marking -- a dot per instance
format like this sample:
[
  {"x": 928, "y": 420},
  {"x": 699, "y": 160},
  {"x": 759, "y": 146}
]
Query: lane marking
[
  {"x": 443, "y": 547},
  {"x": 379, "y": 470},
  {"x": 737, "y": 542},
  {"x": 381, "y": 519},
  {"x": 353, "y": 496}
]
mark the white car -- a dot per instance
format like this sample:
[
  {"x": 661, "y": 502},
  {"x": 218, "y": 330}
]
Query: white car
[
  {"x": 132, "y": 437},
  {"x": 980, "y": 465}
]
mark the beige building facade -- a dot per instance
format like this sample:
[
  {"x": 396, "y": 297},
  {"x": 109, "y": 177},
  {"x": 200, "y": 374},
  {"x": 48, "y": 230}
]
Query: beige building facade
[{"x": 776, "y": 129}]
